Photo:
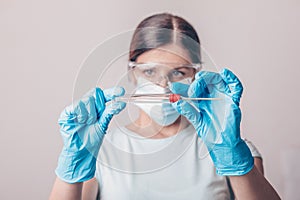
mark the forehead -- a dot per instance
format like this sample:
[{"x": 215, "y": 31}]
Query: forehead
[{"x": 167, "y": 54}]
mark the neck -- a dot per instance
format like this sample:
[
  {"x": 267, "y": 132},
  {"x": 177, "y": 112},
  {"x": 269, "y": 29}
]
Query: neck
[{"x": 146, "y": 127}]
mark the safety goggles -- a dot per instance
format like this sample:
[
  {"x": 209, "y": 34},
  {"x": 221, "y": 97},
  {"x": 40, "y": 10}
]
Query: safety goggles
[{"x": 170, "y": 72}]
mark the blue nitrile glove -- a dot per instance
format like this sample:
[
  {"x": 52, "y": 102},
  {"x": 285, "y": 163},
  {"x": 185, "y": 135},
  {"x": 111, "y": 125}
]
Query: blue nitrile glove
[
  {"x": 180, "y": 88},
  {"x": 218, "y": 122},
  {"x": 83, "y": 126}
]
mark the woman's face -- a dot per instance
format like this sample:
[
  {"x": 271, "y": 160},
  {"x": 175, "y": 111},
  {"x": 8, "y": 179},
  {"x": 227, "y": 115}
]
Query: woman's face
[{"x": 169, "y": 65}]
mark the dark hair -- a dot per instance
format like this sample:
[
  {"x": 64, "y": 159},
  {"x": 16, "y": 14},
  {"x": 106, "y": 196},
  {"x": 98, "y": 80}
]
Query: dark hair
[{"x": 162, "y": 29}]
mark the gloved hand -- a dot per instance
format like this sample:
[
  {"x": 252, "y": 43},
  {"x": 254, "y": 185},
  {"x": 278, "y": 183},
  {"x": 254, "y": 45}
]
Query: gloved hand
[
  {"x": 83, "y": 126},
  {"x": 218, "y": 122},
  {"x": 180, "y": 88}
]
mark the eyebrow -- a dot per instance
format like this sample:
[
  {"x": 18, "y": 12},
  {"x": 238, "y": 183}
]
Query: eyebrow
[{"x": 182, "y": 67}]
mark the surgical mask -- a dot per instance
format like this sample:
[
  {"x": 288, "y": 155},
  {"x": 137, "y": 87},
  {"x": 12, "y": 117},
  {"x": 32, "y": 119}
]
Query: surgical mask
[{"x": 161, "y": 112}]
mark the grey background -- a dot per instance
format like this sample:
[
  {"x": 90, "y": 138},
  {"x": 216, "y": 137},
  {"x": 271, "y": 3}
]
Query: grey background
[{"x": 42, "y": 44}]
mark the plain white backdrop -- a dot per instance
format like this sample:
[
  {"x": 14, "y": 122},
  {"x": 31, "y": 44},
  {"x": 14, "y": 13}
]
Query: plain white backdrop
[{"x": 42, "y": 44}]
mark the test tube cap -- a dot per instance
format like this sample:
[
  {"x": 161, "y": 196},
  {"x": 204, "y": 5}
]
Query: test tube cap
[{"x": 174, "y": 97}]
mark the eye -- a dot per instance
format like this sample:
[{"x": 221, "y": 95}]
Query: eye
[
  {"x": 177, "y": 74},
  {"x": 149, "y": 72}
]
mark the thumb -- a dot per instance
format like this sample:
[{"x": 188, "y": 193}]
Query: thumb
[
  {"x": 104, "y": 96},
  {"x": 110, "y": 110},
  {"x": 189, "y": 111},
  {"x": 179, "y": 88},
  {"x": 235, "y": 85}
]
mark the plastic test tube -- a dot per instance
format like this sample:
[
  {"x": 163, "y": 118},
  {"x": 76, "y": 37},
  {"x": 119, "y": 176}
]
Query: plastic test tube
[{"x": 154, "y": 98}]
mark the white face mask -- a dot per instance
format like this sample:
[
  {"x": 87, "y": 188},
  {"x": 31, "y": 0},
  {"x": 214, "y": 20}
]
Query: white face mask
[{"x": 162, "y": 113}]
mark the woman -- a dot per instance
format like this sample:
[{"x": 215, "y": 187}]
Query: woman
[{"x": 164, "y": 53}]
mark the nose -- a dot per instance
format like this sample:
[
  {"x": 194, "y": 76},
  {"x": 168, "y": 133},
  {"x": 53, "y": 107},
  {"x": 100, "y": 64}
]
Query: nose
[{"x": 163, "y": 81}]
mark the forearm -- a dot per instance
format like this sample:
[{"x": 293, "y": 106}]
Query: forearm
[
  {"x": 66, "y": 191},
  {"x": 252, "y": 185}
]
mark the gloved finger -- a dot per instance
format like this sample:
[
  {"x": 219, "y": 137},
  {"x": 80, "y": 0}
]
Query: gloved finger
[
  {"x": 91, "y": 107},
  {"x": 112, "y": 93},
  {"x": 198, "y": 88},
  {"x": 81, "y": 112},
  {"x": 89, "y": 102},
  {"x": 179, "y": 88},
  {"x": 188, "y": 111},
  {"x": 111, "y": 110},
  {"x": 207, "y": 82},
  {"x": 103, "y": 96},
  {"x": 73, "y": 114},
  {"x": 235, "y": 85}
]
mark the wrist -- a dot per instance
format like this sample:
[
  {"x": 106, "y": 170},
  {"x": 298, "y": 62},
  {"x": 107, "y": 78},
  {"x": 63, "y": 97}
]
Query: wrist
[
  {"x": 233, "y": 160},
  {"x": 75, "y": 167}
]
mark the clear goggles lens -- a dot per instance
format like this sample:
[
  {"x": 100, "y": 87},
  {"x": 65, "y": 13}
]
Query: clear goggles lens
[{"x": 170, "y": 72}]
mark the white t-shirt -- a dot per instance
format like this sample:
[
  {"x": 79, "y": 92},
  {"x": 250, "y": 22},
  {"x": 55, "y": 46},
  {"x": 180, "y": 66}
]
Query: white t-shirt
[{"x": 132, "y": 167}]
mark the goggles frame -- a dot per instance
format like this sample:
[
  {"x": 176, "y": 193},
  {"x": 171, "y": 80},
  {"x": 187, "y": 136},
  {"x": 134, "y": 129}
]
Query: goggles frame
[{"x": 132, "y": 65}]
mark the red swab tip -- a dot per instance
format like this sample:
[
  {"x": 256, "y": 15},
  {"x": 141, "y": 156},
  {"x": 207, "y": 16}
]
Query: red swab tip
[{"x": 174, "y": 97}]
